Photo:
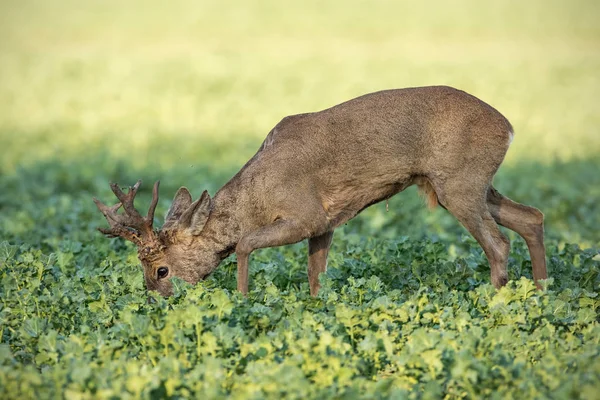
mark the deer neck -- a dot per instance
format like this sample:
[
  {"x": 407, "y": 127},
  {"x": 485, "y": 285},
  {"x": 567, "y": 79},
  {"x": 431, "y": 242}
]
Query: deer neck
[{"x": 222, "y": 230}]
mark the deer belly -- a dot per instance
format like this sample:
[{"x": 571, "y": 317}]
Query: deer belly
[{"x": 346, "y": 202}]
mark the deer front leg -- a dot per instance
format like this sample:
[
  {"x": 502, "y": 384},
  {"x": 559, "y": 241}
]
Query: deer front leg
[
  {"x": 318, "y": 249},
  {"x": 279, "y": 233}
]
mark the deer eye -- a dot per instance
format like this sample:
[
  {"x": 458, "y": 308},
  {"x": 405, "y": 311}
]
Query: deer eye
[{"x": 162, "y": 272}]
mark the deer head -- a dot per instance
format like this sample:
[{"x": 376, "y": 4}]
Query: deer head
[{"x": 175, "y": 249}]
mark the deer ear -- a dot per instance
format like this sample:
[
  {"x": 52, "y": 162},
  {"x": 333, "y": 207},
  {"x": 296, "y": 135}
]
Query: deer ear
[
  {"x": 197, "y": 214},
  {"x": 181, "y": 202}
]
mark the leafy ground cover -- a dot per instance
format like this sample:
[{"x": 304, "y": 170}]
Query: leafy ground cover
[{"x": 115, "y": 92}]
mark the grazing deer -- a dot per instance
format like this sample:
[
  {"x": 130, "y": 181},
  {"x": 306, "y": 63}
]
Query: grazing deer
[{"x": 316, "y": 171}]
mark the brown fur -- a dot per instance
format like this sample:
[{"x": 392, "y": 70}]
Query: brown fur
[
  {"x": 316, "y": 171},
  {"x": 427, "y": 191}
]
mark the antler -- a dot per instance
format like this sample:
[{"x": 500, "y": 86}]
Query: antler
[{"x": 129, "y": 225}]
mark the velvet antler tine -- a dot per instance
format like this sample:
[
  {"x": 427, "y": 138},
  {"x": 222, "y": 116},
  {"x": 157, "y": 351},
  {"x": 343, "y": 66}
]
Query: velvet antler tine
[
  {"x": 129, "y": 225},
  {"x": 152, "y": 209},
  {"x": 117, "y": 191},
  {"x": 120, "y": 231},
  {"x": 109, "y": 212},
  {"x": 127, "y": 199}
]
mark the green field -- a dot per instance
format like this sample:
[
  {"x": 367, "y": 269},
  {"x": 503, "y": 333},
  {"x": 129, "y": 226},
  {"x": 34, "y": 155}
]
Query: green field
[{"x": 184, "y": 92}]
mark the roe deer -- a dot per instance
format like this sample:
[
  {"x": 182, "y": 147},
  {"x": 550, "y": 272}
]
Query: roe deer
[{"x": 316, "y": 171}]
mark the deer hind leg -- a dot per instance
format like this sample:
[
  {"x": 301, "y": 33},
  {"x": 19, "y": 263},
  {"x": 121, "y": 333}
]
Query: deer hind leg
[
  {"x": 528, "y": 222},
  {"x": 318, "y": 249},
  {"x": 467, "y": 202}
]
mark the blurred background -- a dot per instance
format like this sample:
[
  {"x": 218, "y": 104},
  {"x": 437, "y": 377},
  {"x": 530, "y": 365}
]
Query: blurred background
[{"x": 185, "y": 91}]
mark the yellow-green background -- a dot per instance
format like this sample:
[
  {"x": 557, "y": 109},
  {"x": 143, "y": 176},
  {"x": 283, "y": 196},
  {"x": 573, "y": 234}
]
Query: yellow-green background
[{"x": 127, "y": 75}]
